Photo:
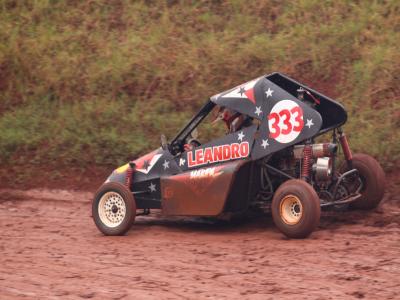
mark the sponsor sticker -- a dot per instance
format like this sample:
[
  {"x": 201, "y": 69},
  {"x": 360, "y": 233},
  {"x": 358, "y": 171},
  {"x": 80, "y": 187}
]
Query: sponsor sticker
[
  {"x": 202, "y": 173},
  {"x": 217, "y": 154}
]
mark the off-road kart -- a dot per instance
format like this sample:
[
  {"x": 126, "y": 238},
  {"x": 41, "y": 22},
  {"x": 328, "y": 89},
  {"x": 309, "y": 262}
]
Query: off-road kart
[{"x": 272, "y": 161}]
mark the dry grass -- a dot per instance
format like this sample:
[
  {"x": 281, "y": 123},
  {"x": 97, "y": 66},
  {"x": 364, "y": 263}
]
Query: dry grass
[{"x": 90, "y": 81}]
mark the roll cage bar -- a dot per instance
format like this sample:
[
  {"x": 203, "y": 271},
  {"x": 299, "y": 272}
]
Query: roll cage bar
[{"x": 187, "y": 130}]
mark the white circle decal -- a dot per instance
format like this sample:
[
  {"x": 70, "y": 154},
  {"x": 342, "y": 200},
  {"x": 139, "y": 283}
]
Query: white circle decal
[{"x": 285, "y": 121}]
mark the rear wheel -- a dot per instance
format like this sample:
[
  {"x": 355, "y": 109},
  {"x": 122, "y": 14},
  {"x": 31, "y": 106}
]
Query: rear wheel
[
  {"x": 113, "y": 209},
  {"x": 296, "y": 209},
  {"x": 373, "y": 180}
]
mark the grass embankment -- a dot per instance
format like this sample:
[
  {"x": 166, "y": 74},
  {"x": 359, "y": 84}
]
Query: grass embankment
[{"x": 85, "y": 82}]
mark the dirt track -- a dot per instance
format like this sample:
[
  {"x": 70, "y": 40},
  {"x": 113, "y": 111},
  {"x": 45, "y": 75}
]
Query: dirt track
[{"x": 50, "y": 249}]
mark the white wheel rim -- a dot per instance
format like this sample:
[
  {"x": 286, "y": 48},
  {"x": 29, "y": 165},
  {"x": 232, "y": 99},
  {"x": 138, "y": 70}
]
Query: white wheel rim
[
  {"x": 112, "y": 209},
  {"x": 291, "y": 210}
]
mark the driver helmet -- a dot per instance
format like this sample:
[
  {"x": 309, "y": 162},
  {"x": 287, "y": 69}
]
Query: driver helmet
[{"x": 232, "y": 119}]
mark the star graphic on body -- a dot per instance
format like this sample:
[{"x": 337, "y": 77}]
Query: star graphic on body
[
  {"x": 152, "y": 187},
  {"x": 146, "y": 164},
  {"x": 242, "y": 91},
  {"x": 166, "y": 164},
  {"x": 269, "y": 92},
  {"x": 258, "y": 110},
  {"x": 264, "y": 143},
  {"x": 182, "y": 162},
  {"x": 309, "y": 123},
  {"x": 241, "y": 136}
]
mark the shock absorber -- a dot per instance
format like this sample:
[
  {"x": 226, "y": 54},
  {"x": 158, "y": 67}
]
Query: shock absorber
[
  {"x": 306, "y": 162},
  {"x": 346, "y": 147}
]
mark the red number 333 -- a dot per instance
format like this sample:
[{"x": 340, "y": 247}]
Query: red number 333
[{"x": 285, "y": 122}]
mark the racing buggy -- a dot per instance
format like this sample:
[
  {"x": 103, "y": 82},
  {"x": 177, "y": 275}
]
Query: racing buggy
[{"x": 268, "y": 157}]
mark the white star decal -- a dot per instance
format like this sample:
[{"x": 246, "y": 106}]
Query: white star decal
[
  {"x": 182, "y": 162},
  {"x": 264, "y": 143},
  {"x": 166, "y": 164},
  {"x": 269, "y": 92},
  {"x": 152, "y": 187},
  {"x": 241, "y": 136},
  {"x": 309, "y": 123},
  {"x": 258, "y": 110}
]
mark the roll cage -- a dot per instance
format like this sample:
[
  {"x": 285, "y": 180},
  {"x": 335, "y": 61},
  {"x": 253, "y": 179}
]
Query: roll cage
[{"x": 180, "y": 138}]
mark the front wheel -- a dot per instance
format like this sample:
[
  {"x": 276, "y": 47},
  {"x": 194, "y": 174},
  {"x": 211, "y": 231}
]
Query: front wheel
[
  {"x": 296, "y": 209},
  {"x": 113, "y": 209}
]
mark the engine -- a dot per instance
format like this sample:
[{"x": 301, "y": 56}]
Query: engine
[{"x": 315, "y": 161}]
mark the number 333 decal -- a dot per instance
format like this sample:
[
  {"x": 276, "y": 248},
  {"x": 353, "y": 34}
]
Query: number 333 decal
[{"x": 285, "y": 121}]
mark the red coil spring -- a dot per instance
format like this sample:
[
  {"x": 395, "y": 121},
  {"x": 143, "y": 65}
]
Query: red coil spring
[
  {"x": 326, "y": 149},
  {"x": 306, "y": 166},
  {"x": 128, "y": 177}
]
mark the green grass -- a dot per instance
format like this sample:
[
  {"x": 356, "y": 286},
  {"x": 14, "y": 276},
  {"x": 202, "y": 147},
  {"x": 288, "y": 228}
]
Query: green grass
[{"x": 86, "y": 82}]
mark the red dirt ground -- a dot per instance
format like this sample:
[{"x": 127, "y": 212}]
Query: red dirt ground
[{"x": 51, "y": 249}]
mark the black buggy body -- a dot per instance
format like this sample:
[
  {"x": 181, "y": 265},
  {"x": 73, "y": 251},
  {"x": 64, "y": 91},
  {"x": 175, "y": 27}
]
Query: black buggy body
[{"x": 272, "y": 161}]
